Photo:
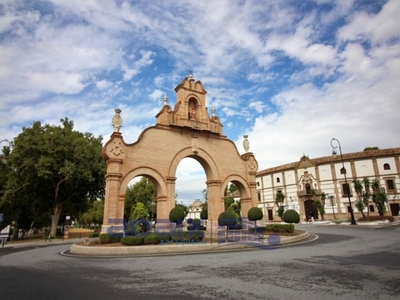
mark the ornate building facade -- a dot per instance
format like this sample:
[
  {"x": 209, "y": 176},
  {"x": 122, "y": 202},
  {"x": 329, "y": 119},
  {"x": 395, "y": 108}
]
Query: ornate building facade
[{"x": 300, "y": 181}]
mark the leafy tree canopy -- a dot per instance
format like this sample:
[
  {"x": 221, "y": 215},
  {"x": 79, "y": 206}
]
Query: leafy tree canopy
[
  {"x": 143, "y": 191},
  {"x": 54, "y": 169}
]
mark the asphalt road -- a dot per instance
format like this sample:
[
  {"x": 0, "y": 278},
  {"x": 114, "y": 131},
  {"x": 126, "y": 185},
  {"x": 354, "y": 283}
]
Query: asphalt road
[{"x": 345, "y": 262}]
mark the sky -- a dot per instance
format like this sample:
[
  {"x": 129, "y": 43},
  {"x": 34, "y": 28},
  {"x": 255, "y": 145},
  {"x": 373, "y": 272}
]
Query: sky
[{"x": 291, "y": 75}]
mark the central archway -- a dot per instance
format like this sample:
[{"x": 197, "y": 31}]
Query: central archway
[{"x": 187, "y": 131}]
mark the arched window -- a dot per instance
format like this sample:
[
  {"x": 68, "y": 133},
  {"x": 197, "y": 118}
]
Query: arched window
[
  {"x": 278, "y": 179},
  {"x": 386, "y": 167}
]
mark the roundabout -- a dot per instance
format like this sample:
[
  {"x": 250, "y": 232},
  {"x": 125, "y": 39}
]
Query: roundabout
[{"x": 80, "y": 249}]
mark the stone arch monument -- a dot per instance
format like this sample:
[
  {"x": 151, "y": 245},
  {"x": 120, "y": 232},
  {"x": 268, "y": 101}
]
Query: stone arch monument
[{"x": 187, "y": 130}]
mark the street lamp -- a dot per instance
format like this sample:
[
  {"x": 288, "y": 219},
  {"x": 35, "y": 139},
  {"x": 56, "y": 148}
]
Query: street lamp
[
  {"x": 343, "y": 171},
  {"x": 4, "y": 156}
]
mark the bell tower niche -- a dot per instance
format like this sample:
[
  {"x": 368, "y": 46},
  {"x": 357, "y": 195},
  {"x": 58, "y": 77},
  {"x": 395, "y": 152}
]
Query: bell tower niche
[{"x": 190, "y": 109}]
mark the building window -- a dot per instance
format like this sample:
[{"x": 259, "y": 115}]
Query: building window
[
  {"x": 278, "y": 179},
  {"x": 259, "y": 197},
  {"x": 308, "y": 189},
  {"x": 386, "y": 167},
  {"x": 390, "y": 185},
  {"x": 372, "y": 208},
  {"x": 343, "y": 171},
  {"x": 346, "y": 190}
]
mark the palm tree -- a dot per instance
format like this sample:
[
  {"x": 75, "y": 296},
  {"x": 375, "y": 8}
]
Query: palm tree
[
  {"x": 358, "y": 186},
  {"x": 379, "y": 197},
  {"x": 367, "y": 194},
  {"x": 319, "y": 203},
  {"x": 279, "y": 198}
]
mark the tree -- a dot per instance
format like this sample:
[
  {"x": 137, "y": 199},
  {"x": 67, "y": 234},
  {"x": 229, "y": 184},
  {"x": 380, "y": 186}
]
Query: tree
[
  {"x": 53, "y": 169},
  {"x": 94, "y": 215},
  {"x": 139, "y": 212},
  {"x": 362, "y": 188},
  {"x": 235, "y": 211},
  {"x": 292, "y": 217},
  {"x": 228, "y": 193},
  {"x": 177, "y": 215},
  {"x": 143, "y": 191},
  {"x": 379, "y": 197},
  {"x": 255, "y": 214},
  {"x": 279, "y": 198},
  {"x": 319, "y": 202},
  {"x": 183, "y": 207}
]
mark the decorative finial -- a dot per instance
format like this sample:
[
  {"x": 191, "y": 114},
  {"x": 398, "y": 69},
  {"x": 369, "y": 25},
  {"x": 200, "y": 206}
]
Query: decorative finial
[
  {"x": 117, "y": 120},
  {"x": 246, "y": 143},
  {"x": 213, "y": 111},
  {"x": 165, "y": 99},
  {"x": 190, "y": 71}
]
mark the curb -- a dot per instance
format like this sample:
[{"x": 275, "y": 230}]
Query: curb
[{"x": 81, "y": 250}]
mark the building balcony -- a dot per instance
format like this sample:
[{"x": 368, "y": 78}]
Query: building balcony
[{"x": 307, "y": 193}]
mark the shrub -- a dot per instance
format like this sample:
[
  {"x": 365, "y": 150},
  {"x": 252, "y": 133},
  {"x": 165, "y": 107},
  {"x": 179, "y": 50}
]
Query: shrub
[
  {"x": 135, "y": 226},
  {"x": 291, "y": 216},
  {"x": 143, "y": 234},
  {"x": 164, "y": 236},
  {"x": 227, "y": 218},
  {"x": 255, "y": 214},
  {"x": 106, "y": 238},
  {"x": 94, "y": 234},
  {"x": 196, "y": 224},
  {"x": 204, "y": 214},
  {"x": 378, "y": 218},
  {"x": 176, "y": 215},
  {"x": 152, "y": 239},
  {"x": 189, "y": 221},
  {"x": 280, "y": 228},
  {"x": 132, "y": 240},
  {"x": 187, "y": 236}
]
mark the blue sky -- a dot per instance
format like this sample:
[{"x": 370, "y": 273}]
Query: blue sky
[{"x": 290, "y": 74}]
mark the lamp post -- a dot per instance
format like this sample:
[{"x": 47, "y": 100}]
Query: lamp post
[
  {"x": 4, "y": 157},
  {"x": 343, "y": 170}
]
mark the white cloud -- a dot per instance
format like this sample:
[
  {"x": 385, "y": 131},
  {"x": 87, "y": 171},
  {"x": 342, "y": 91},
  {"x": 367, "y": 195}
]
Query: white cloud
[{"x": 292, "y": 78}]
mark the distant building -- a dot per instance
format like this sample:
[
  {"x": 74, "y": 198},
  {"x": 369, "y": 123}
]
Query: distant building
[
  {"x": 323, "y": 175},
  {"x": 194, "y": 210}
]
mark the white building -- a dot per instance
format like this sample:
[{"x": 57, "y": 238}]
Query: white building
[
  {"x": 296, "y": 181},
  {"x": 194, "y": 210}
]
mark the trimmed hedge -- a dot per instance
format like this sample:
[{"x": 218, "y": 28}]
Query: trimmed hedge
[
  {"x": 132, "y": 240},
  {"x": 280, "y": 228},
  {"x": 255, "y": 214},
  {"x": 377, "y": 218},
  {"x": 153, "y": 239},
  {"x": 187, "y": 236},
  {"x": 106, "y": 238},
  {"x": 291, "y": 216},
  {"x": 94, "y": 234}
]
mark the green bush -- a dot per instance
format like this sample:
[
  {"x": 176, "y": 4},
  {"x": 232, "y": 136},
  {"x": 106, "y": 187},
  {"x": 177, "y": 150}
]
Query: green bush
[
  {"x": 132, "y": 240},
  {"x": 204, "y": 214},
  {"x": 94, "y": 234},
  {"x": 187, "y": 236},
  {"x": 106, "y": 238},
  {"x": 255, "y": 214},
  {"x": 377, "y": 218},
  {"x": 291, "y": 216},
  {"x": 227, "y": 218},
  {"x": 152, "y": 239},
  {"x": 280, "y": 228},
  {"x": 176, "y": 215}
]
